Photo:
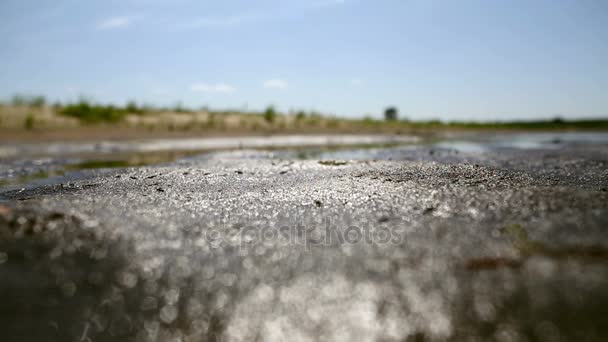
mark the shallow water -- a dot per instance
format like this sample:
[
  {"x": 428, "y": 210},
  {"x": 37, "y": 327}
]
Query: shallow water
[
  {"x": 32, "y": 165},
  {"x": 471, "y": 144},
  {"x": 197, "y": 144}
]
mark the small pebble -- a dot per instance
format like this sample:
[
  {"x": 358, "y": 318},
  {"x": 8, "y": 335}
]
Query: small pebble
[{"x": 168, "y": 314}]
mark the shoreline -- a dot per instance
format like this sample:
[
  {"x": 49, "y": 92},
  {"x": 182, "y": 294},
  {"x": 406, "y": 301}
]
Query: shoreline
[
  {"x": 165, "y": 145},
  {"x": 122, "y": 134}
]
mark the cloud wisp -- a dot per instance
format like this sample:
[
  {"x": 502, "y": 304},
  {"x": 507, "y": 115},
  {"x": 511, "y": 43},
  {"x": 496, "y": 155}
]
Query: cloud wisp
[
  {"x": 218, "y": 88},
  {"x": 217, "y": 22},
  {"x": 113, "y": 23},
  {"x": 275, "y": 83}
]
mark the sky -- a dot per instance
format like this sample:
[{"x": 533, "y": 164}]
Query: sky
[{"x": 448, "y": 60}]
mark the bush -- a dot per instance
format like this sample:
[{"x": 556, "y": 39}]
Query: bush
[
  {"x": 29, "y": 121},
  {"x": 18, "y": 100},
  {"x": 368, "y": 120},
  {"x": 333, "y": 123},
  {"x": 36, "y": 101},
  {"x": 391, "y": 114},
  {"x": 92, "y": 113},
  {"x": 270, "y": 114},
  {"x": 211, "y": 120},
  {"x": 132, "y": 108},
  {"x": 179, "y": 108}
]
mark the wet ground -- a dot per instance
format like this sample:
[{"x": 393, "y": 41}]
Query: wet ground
[{"x": 466, "y": 238}]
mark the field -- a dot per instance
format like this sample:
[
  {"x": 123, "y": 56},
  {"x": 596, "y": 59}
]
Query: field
[{"x": 34, "y": 120}]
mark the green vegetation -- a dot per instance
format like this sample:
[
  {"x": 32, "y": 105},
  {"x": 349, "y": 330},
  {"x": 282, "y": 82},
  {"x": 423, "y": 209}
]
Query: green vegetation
[
  {"x": 29, "y": 121},
  {"x": 36, "y": 101},
  {"x": 333, "y": 162},
  {"x": 270, "y": 114},
  {"x": 100, "y": 164},
  {"x": 179, "y": 108},
  {"x": 391, "y": 114},
  {"x": 369, "y": 121},
  {"x": 301, "y": 115},
  {"x": 93, "y": 113},
  {"x": 597, "y": 124},
  {"x": 132, "y": 108},
  {"x": 24, "y": 112}
]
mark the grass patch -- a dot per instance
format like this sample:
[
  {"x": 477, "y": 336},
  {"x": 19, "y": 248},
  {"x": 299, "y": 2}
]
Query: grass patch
[
  {"x": 94, "y": 113},
  {"x": 29, "y": 121},
  {"x": 557, "y": 123},
  {"x": 332, "y": 162},
  {"x": 100, "y": 164}
]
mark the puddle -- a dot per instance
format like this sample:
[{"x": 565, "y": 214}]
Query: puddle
[
  {"x": 479, "y": 143},
  {"x": 469, "y": 144},
  {"x": 199, "y": 144},
  {"x": 13, "y": 181},
  {"x": 55, "y": 171},
  {"x": 55, "y": 167},
  {"x": 36, "y": 165}
]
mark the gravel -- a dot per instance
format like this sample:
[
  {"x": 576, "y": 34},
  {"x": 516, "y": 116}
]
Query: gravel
[{"x": 504, "y": 245}]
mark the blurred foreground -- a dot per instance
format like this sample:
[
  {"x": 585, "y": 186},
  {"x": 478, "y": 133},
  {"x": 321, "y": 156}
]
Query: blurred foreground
[{"x": 470, "y": 239}]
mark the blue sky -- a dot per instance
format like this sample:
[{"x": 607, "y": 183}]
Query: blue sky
[{"x": 452, "y": 60}]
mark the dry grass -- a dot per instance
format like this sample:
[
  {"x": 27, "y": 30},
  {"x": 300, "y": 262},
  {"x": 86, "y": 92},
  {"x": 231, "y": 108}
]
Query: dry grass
[
  {"x": 23, "y": 123},
  {"x": 41, "y": 123}
]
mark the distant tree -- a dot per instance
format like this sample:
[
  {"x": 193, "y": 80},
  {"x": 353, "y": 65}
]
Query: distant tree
[
  {"x": 28, "y": 100},
  {"x": 179, "y": 108},
  {"x": 270, "y": 114},
  {"x": 301, "y": 115},
  {"x": 132, "y": 107},
  {"x": 18, "y": 100},
  {"x": 391, "y": 114},
  {"x": 37, "y": 101}
]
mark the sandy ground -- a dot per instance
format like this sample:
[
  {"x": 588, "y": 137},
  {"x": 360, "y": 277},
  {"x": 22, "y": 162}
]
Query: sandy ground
[{"x": 411, "y": 244}]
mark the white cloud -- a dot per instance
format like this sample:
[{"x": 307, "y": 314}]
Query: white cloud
[
  {"x": 115, "y": 23},
  {"x": 275, "y": 83},
  {"x": 357, "y": 82},
  {"x": 212, "y": 88}
]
